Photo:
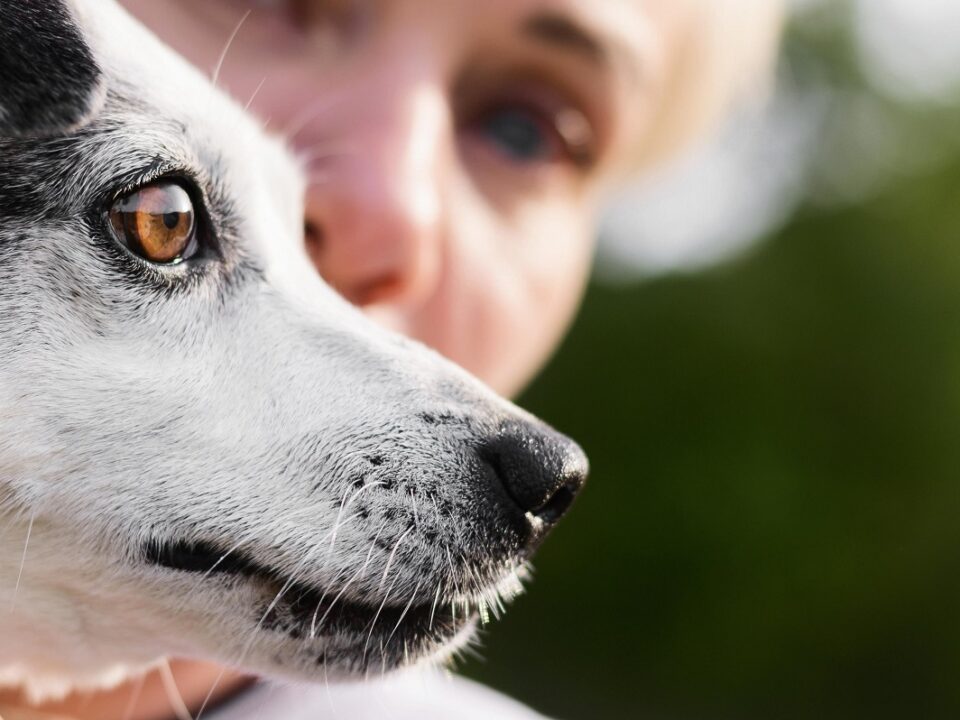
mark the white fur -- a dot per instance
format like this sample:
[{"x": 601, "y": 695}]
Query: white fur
[{"x": 129, "y": 416}]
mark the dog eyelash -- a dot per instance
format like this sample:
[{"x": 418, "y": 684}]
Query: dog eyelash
[{"x": 158, "y": 170}]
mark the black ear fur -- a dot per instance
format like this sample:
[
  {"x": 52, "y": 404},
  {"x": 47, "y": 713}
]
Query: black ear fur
[{"x": 50, "y": 82}]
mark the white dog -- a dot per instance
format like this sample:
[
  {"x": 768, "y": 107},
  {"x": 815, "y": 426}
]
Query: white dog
[{"x": 203, "y": 450}]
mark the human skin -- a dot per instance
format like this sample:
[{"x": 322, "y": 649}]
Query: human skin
[{"x": 458, "y": 153}]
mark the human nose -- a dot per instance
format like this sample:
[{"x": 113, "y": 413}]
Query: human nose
[{"x": 375, "y": 212}]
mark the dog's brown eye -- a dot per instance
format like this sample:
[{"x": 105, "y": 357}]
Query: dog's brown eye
[{"x": 156, "y": 222}]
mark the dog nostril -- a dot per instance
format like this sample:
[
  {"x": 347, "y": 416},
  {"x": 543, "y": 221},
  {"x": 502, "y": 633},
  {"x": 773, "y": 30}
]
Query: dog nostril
[
  {"x": 541, "y": 470},
  {"x": 558, "y": 504}
]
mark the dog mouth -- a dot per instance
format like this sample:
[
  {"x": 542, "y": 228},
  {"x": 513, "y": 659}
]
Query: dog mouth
[{"x": 356, "y": 634}]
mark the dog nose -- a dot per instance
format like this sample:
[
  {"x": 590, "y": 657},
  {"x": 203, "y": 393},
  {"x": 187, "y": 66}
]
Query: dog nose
[{"x": 540, "y": 469}]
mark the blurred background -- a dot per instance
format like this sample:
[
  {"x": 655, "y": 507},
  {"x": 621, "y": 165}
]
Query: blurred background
[{"x": 766, "y": 376}]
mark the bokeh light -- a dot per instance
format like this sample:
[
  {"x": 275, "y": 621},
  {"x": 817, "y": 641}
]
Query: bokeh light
[{"x": 766, "y": 375}]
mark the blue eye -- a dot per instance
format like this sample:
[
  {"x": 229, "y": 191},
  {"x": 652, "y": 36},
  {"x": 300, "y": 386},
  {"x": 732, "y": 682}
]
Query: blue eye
[{"x": 517, "y": 133}]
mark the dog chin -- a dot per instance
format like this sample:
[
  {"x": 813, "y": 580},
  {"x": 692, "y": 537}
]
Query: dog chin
[
  {"x": 429, "y": 634},
  {"x": 354, "y": 660},
  {"x": 303, "y": 637},
  {"x": 309, "y": 631}
]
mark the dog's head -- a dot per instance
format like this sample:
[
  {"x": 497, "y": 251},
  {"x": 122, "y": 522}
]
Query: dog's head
[{"x": 203, "y": 450}]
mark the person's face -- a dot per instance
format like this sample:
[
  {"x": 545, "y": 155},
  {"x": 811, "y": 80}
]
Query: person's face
[{"x": 454, "y": 149}]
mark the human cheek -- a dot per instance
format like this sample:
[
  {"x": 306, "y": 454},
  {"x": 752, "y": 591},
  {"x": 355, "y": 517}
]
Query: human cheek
[
  {"x": 519, "y": 290},
  {"x": 554, "y": 263}
]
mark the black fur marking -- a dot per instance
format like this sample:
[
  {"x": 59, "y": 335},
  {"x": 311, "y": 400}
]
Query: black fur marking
[
  {"x": 49, "y": 80},
  {"x": 197, "y": 557},
  {"x": 70, "y": 181}
]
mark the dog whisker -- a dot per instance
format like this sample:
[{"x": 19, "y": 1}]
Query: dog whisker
[
  {"x": 433, "y": 608},
  {"x": 255, "y": 93},
  {"x": 220, "y": 560},
  {"x": 249, "y": 644},
  {"x": 242, "y": 541},
  {"x": 344, "y": 504},
  {"x": 135, "y": 693},
  {"x": 373, "y": 624},
  {"x": 406, "y": 609},
  {"x": 174, "y": 697},
  {"x": 386, "y": 597},
  {"x": 23, "y": 562},
  {"x": 213, "y": 689},
  {"x": 393, "y": 553},
  {"x": 215, "y": 77},
  {"x": 246, "y": 649},
  {"x": 346, "y": 586},
  {"x": 453, "y": 579},
  {"x": 413, "y": 505}
]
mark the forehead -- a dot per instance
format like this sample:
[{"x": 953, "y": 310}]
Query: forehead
[
  {"x": 605, "y": 16},
  {"x": 593, "y": 27}
]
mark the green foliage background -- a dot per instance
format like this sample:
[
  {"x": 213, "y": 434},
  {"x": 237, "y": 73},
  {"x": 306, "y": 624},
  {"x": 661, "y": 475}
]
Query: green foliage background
[{"x": 772, "y": 526}]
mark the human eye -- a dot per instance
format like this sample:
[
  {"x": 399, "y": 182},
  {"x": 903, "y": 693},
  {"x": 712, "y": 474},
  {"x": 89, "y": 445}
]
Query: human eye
[
  {"x": 526, "y": 135},
  {"x": 532, "y": 125}
]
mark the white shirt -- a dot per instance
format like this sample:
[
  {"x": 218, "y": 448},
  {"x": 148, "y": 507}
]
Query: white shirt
[{"x": 410, "y": 695}]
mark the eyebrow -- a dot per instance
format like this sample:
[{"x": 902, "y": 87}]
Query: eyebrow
[
  {"x": 608, "y": 52},
  {"x": 564, "y": 33}
]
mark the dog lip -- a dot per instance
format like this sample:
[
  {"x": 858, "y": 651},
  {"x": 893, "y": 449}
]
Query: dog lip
[
  {"x": 298, "y": 607},
  {"x": 199, "y": 557}
]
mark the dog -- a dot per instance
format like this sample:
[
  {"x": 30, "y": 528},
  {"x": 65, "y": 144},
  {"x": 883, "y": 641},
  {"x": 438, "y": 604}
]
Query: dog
[{"x": 204, "y": 451}]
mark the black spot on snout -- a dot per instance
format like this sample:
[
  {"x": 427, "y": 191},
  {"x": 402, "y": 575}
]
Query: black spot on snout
[{"x": 441, "y": 418}]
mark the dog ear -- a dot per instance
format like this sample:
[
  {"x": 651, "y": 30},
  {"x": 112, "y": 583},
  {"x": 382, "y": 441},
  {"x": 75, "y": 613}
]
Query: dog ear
[{"x": 50, "y": 82}]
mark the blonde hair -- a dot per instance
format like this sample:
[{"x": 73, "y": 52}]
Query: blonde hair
[{"x": 725, "y": 49}]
